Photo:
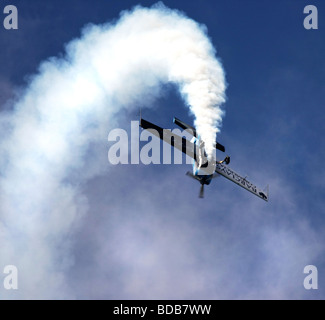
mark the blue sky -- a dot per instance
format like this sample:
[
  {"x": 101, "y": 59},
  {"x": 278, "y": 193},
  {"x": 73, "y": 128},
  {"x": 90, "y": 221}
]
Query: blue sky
[{"x": 144, "y": 233}]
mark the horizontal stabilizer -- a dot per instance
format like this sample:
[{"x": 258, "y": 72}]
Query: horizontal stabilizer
[
  {"x": 186, "y": 126},
  {"x": 220, "y": 147}
]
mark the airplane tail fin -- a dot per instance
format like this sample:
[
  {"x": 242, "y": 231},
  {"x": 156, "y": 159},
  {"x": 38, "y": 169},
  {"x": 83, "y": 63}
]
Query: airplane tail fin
[{"x": 226, "y": 160}]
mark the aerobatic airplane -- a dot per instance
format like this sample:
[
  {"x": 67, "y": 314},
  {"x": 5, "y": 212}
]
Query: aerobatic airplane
[{"x": 203, "y": 170}]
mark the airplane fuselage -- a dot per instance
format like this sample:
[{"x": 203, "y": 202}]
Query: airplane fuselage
[{"x": 201, "y": 164}]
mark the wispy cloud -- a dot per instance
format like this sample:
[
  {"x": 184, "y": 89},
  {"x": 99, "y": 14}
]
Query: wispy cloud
[{"x": 65, "y": 112}]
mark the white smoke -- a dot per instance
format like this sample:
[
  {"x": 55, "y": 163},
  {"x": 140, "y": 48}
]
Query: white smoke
[{"x": 70, "y": 104}]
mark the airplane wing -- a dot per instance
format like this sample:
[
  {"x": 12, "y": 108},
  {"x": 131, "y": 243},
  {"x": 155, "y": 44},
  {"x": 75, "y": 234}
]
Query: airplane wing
[
  {"x": 174, "y": 140},
  {"x": 230, "y": 174}
]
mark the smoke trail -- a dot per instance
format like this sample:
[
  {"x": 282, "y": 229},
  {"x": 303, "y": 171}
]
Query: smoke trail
[{"x": 70, "y": 104}]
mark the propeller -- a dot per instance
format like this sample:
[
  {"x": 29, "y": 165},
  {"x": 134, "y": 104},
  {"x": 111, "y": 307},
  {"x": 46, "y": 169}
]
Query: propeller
[{"x": 201, "y": 195}]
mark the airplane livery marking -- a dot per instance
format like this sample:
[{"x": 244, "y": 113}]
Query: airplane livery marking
[{"x": 235, "y": 177}]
